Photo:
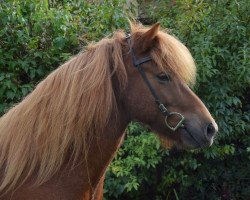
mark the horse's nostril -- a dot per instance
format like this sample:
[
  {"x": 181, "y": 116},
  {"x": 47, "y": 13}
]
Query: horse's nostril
[{"x": 210, "y": 131}]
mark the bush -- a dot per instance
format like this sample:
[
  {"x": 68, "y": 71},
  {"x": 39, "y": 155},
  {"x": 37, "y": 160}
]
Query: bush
[
  {"x": 37, "y": 36},
  {"x": 217, "y": 33},
  {"x": 134, "y": 163}
]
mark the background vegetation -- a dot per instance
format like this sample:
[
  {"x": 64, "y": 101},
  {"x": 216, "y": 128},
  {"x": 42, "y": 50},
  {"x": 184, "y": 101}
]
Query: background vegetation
[{"x": 36, "y": 36}]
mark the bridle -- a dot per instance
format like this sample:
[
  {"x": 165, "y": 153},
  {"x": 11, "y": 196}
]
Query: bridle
[{"x": 137, "y": 64}]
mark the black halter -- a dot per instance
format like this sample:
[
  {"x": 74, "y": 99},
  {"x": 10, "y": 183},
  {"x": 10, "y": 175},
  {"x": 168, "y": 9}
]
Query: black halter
[{"x": 161, "y": 106}]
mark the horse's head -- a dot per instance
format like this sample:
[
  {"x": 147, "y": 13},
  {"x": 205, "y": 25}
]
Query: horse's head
[{"x": 168, "y": 70}]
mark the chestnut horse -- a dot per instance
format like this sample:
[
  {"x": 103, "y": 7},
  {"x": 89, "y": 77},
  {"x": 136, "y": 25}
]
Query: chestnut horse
[{"x": 58, "y": 142}]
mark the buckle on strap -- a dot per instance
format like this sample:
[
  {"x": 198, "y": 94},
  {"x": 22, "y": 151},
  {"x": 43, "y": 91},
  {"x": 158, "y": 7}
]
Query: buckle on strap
[
  {"x": 179, "y": 124},
  {"x": 162, "y": 108},
  {"x": 128, "y": 35}
]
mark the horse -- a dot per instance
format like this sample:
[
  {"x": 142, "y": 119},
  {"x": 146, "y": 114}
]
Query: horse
[{"x": 59, "y": 140}]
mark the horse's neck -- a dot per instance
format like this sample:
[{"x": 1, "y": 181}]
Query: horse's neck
[
  {"x": 102, "y": 149},
  {"x": 81, "y": 181}
]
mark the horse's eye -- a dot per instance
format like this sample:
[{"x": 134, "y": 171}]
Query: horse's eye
[{"x": 163, "y": 77}]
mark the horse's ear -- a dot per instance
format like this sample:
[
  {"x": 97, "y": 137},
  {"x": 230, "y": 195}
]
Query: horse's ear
[{"x": 148, "y": 38}]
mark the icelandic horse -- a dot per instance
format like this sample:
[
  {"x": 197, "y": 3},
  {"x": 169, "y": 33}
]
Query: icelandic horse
[{"x": 59, "y": 140}]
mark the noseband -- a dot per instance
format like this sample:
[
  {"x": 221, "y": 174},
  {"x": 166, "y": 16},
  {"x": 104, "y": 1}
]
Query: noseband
[{"x": 160, "y": 105}]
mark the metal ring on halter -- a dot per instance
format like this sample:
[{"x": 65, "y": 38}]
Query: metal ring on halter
[{"x": 178, "y": 125}]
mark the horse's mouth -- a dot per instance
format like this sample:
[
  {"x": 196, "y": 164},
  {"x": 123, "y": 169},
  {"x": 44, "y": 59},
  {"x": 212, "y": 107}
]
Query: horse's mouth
[
  {"x": 185, "y": 138},
  {"x": 191, "y": 139}
]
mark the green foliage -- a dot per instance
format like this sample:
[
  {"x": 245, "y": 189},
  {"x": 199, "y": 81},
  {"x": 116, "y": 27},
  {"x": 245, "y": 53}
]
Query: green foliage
[
  {"x": 37, "y": 36},
  {"x": 140, "y": 153},
  {"x": 217, "y": 34}
]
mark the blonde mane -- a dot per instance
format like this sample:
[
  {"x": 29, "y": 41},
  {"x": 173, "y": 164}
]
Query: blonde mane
[
  {"x": 73, "y": 102},
  {"x": 170, "y": 54}
]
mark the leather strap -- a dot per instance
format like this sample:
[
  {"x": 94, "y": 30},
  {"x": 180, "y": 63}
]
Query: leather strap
[
  {"x": 137, "y": 64},
  {"x": 161, "y": 106}
]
